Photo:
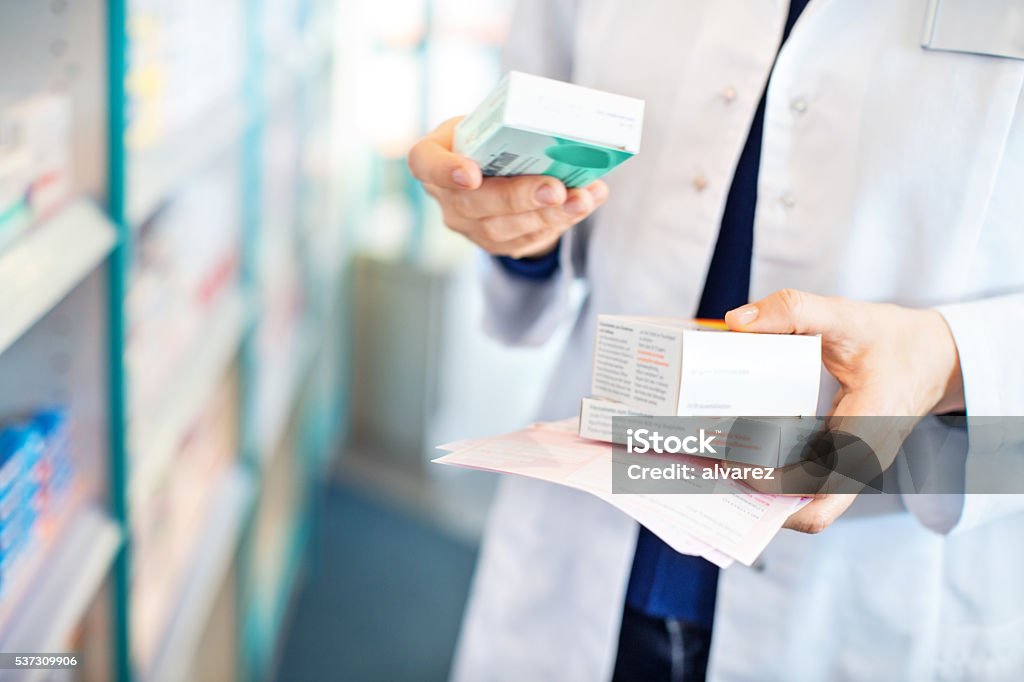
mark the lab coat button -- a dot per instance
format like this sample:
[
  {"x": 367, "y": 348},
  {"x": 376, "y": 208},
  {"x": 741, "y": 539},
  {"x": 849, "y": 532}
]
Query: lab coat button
[
  {"x": 788, "y": 200},
  {"x": 729, "y": 94},
  {"x": 799, "y": 105},
  {"x": 699, "y": 183}
]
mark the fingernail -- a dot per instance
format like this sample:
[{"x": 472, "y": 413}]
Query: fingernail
[
  {"x": 575, "y": 206},
  {"x": 461, "y": 178},
  {"x": 599, "y": 192},
  {"x": 746, "y": 314},
  {"x": 546, "y": 195}
]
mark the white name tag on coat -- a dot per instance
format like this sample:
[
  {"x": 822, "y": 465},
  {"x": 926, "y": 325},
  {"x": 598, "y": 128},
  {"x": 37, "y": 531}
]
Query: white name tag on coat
[{"x": 986, "y": 27}]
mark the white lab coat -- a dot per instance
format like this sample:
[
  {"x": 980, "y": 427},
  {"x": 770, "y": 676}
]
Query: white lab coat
[{"x": 888, "y": 173}]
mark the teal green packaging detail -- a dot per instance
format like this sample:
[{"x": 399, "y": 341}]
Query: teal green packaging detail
[
  {"x": 537, "y": 126},
  {"x": 14, "y": 220},
  {"x": 577, "y": 164},
  {"x": 509, "y": 151}
]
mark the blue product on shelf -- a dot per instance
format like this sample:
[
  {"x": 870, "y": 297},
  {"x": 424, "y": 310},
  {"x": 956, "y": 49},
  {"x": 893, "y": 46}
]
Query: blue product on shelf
[
  {"x": 9, "y": 503},
  {"x": 21, "y": 447},
  {"x": 16, "y": 539},
  {"x": 16, "y": 532},
  {"x": 10, "y": 493},
  {"x": 10, "y": 465},
  {"x": 53, "y": 425},
  {"x": 24, "y": 475},
  {"x": 24, "y": 493}
]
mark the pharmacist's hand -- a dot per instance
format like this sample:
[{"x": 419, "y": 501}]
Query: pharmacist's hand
[
  {"x": 889, "y": 361},
  {"x": 515, "y": 216}
]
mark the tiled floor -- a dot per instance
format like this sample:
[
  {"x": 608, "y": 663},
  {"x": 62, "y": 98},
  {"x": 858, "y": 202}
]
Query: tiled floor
[{"x": 383, "y": 596}]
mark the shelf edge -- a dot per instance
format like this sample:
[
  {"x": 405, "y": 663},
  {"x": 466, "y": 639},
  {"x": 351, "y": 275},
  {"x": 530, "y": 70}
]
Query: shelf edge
[
  {"x": 47, "y": 263},
  {"x": 209, "y": 564}
]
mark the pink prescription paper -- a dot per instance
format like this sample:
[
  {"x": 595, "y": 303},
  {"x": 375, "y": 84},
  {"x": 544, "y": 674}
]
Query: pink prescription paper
[{"x": 720, "y": 527}]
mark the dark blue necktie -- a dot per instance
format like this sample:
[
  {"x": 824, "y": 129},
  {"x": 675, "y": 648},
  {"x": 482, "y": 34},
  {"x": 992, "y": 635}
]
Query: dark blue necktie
[{"x": 663, "y": 582}]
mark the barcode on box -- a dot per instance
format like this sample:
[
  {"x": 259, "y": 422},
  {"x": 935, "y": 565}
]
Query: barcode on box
[{"x": 499, "y": 163}]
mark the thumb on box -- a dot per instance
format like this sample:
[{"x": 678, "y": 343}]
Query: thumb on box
[{"x": 788, "y": 311}]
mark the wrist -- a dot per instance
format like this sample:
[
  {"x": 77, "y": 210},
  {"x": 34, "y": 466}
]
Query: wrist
[
  {"x": 949, "y": 379},
  {"x": 538, "y": 268},
  {"x": 541, "y": 251}
]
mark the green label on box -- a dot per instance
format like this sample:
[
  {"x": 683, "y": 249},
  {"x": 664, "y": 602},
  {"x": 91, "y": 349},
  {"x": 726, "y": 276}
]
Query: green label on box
[{"x": 512, "y": 151}]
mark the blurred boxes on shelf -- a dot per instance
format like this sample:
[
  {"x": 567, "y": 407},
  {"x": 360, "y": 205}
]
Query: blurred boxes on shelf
[
  {"x": 41, "y": 124},
  {"x": 181, "y": 113},
  {"x": 56, "y": 469},
  {"x": 284, "y": 285},
  {"x": 188, "y": 261},
  {"x": 15, "y": 181},
  {"x": 36, "y": 476},
  {"x": 35, "y": 160},
  {"x": 167, "y": 523},
  {"x": 281, "y": 26},
  {"x": 185, "y": 57}
]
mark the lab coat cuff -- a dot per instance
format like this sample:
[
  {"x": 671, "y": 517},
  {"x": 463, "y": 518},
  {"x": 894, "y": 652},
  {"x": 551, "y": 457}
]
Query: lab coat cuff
[
  {"x": 993, "y": 370},
  {"x": 526, "y": 312},
  {"x": 983, "y": 359}
]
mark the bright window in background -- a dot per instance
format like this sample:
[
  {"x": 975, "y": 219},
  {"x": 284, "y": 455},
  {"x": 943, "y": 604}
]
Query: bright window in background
[{"x": 407, "y": 65}]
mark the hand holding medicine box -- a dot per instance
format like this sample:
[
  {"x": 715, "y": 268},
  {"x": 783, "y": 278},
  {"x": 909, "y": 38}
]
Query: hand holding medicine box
[
  {"x": 668, "y": 366},
  {"x": 671, "y": 366},
  {"x": 538, "y": 126}
]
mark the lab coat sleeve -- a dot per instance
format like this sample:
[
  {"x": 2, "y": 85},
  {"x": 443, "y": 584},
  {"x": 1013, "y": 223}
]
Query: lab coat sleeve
[
  {"x": 526, "y": 312},
  {"x": 520, "y": 311},
  {"x": 988, "y": 336}
]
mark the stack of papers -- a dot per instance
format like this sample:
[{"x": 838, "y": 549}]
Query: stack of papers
[{"x": 720, "y": 520}]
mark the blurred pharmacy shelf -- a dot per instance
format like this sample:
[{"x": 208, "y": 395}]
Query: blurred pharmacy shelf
[
  {"x": 272, "y": 427},
  {"x": 155, "y": 173},
  {"x": 288, "y": 68},
  {"x": 118, "y": 120},
  {"x": 45, "y": 264},
  {"x": 213, "y": 554},
  {"x": 63, "y": 586},
  {"x": 156, "y": 436},
  {"x": 281, "y": 601},
  {"x": 143, "y": 101}
]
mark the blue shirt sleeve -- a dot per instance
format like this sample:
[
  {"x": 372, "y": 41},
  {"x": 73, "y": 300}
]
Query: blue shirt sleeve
[{"x": 537, "y": 269}]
